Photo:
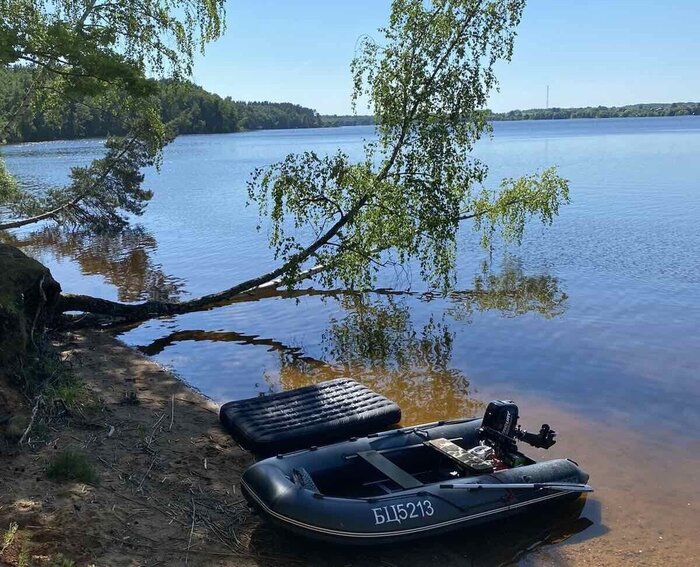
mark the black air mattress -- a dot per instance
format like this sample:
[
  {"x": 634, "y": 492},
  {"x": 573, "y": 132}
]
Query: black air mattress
[{"x": 314, "y": 415}]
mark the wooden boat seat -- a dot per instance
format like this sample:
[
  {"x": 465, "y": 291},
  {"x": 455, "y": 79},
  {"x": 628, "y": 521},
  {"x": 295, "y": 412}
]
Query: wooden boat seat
[
  {"x": 390, "y": 470},
  {"x": 460, "y": 456}
]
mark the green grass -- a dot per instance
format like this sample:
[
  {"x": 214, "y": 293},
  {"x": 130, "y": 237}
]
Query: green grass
[
  {"x": 8, "y": 536},
  {"x": 47, "y": 375},
  {"x": 69, "y": 389},
  {"x": 69, "y": 466},
  {"x": 60, "y": 561},
  {"x": 56, "y": 377},
  {"x": 23, "y": 557}
]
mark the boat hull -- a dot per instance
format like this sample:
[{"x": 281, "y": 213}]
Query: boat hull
[{"x": 429, "y": 509}]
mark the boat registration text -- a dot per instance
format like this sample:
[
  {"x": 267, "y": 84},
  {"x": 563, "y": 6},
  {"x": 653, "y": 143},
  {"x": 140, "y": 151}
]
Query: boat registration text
[{"x": 400, "y": 512}]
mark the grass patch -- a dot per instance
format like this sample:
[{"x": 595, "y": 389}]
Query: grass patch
[
  {"x": 69, "y": 389},
  {"x": 23, "y": 557},
  {"x": 8, "y": 537},
  {"x": 70, "y": 466},
  {"x": 44, "y": 373},
  {"x": 60, "y": 561}
]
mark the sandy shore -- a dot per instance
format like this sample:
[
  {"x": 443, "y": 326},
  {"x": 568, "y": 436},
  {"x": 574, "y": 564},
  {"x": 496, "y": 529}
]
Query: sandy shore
[
  {"x": 157, "y": 456},
  {"x": 168, "y": 491}
]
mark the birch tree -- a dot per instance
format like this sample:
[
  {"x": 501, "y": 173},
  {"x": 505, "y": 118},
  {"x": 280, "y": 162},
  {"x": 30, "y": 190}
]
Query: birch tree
[
  {"x": 427, "y": 77},
  {"x": 103, "y": 51}
]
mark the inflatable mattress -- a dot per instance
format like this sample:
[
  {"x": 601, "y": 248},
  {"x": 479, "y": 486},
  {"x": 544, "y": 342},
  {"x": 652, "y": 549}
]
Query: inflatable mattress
[{"x": 314, "y": 415}]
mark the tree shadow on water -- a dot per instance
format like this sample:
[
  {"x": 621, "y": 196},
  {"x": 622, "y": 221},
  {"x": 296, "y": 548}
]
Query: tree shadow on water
[{"x": 377, "y": 338}]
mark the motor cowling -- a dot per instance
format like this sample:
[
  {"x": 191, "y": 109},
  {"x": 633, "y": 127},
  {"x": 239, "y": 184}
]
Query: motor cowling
[
  {"x": 498, "y": 426},
  {"x": 502, "y": 417},
  {"x": 500, "y": 429}
]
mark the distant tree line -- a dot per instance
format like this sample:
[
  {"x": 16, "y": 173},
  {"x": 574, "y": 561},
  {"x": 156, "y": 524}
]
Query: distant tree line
[
  {"x": 629, "y": 111},
  {"x": 332, "y": 120},
  {"x": 192, "y": 110}
]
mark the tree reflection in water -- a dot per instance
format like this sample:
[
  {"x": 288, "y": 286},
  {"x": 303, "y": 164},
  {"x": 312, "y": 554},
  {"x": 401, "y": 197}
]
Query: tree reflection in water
[
  {"x": 123, "y": 259},
  {"x": 375, "y": 339},
  {"x": 377, "y": 342},
  {"x": 510, "y": 292}
]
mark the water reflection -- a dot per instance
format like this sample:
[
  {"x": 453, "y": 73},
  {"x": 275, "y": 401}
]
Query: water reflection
[
  {"x": 376, "y": 338},
  {"x": 288, "y": 353},
  {"x": 124, "y": 259},
  {"x": 510, "y": 292},
  {"x": 377, "y": 341}
]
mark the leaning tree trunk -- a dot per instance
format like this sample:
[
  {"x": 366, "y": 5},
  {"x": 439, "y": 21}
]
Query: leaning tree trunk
[{"x": 263, "y": 286}]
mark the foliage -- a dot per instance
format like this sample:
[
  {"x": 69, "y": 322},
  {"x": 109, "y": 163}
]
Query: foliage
[
  {"x": 628, "y": 111},
  {"x": 427, "y": 83},
  {"x": 517, "y": 200},
  {"x": 188, "y": 108},
  {"x": 23, "y": 557},
  {"x": 333, "y": 120},
  {"x": 100, "y": 51},
  {"x": 8, "y": 536},
  {"x": 70, "y": 466},
  {"x": 101, "y": 194},
  {"x": 9, "y": 190},
  {"x": 61, "y": 561},
  {"x": 95, "y": 43}
]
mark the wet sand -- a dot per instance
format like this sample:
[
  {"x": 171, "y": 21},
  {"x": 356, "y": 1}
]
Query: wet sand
[{"x": 645, "y": 508}]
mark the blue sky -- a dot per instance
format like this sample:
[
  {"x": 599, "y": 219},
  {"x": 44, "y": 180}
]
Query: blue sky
[{"x": 608, "y": 52}]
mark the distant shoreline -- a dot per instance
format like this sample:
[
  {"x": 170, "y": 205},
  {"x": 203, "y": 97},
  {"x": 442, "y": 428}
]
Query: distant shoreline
[
  {"x": 193, "y": 110},
  {"x": 645, "y": 110},
  {"x": 328, "y": 126}
]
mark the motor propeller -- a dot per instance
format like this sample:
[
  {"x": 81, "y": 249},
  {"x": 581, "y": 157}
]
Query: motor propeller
[{"x": 544, "y": 439}]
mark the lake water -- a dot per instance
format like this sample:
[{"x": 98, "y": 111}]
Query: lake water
[{"x": 592, "y": 324}]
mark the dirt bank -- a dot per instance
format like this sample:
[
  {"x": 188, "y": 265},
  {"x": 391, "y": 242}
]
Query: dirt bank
[{"x": 167, "y": 491}]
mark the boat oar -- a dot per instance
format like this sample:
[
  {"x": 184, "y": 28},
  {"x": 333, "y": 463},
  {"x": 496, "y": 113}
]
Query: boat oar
[{"x": 560, "y": 486}]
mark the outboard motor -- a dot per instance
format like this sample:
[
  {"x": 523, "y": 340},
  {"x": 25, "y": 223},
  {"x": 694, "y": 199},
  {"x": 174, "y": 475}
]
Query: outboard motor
[{"x": 500, "y": 429}]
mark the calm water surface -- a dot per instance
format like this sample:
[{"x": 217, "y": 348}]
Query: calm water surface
[{"x": 593, "y": 323}]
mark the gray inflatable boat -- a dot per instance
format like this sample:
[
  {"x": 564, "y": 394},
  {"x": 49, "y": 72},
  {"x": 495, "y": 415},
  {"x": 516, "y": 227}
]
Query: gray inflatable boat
[{"x": 413, "y": 482}]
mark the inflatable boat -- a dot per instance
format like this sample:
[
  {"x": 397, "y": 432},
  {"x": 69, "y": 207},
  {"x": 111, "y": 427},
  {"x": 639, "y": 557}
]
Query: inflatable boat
[{"x": 412, "y": 482}]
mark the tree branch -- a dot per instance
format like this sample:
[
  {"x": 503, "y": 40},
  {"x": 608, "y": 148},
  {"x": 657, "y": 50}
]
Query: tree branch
[
  {"x": 250, "y": 289},
  {"x": 75, "y": 200}
]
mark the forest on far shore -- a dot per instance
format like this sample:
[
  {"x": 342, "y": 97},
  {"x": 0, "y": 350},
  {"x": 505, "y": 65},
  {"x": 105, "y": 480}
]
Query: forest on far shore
[
  {"x": 628, "y": 111},
  {"x": 193, "y": 110}
]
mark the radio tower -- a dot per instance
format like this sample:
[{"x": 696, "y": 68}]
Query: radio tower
[{"x": 547, "y": 97}]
